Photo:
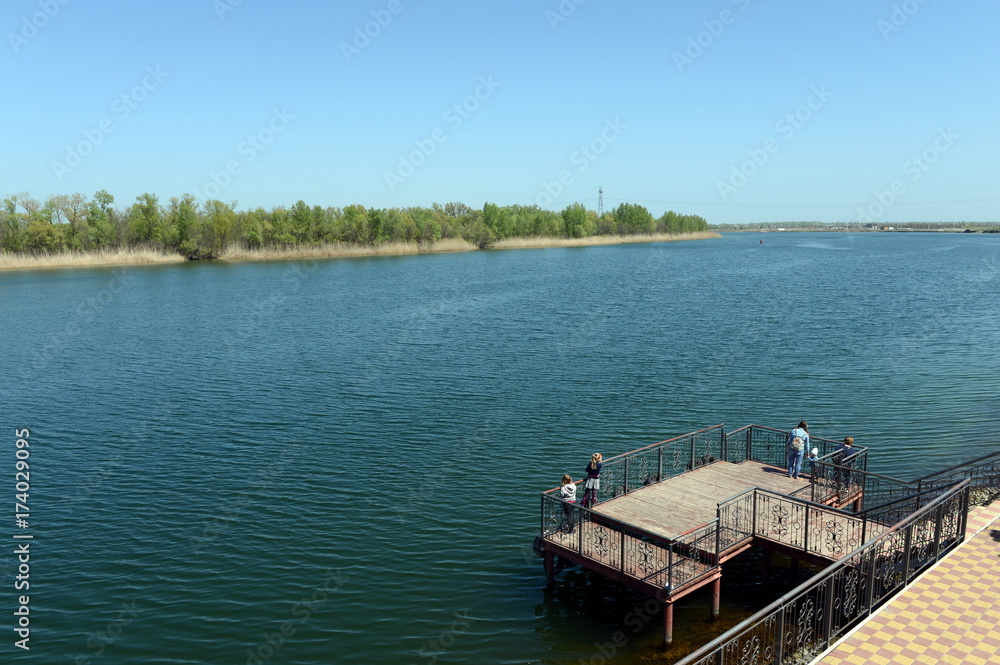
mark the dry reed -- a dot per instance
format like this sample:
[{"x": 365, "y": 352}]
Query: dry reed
[
  {"x": 106, "y": 257},
  {"x": 528, "y": 243},
  {"x": 120, "y": 257},
  {"x": 343, "y": 249}
]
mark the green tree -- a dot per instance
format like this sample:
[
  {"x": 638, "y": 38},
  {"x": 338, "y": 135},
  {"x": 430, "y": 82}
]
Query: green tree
[
  {"x": 577, "y": 222},
  {"x": 145, "y": 220},
  {"x": 181, "y": 225},
  {"x": 632, "y": 218},
  {"x": 101, "y": 231}
]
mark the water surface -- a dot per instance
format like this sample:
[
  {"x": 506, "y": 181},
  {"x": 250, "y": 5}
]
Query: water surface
[{"x": 338, "y": 461}]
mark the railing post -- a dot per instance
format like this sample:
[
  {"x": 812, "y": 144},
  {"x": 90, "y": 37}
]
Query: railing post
[
  {"x": 749, "y": 443},
  {"x": 964, "y": 521},
  {"x": 626, "y": 477},
  {"x": 724, "y": 444},
  {"x": 871, "y": 580},
  {"x": 670, "y": 567},
  {"x": 805, "y": 538},
  {"x": 753, "y": 526},
  {"x": 623, "y": 552},
  {"x": 541, "y": 521},
  {"x": 779, "y": 639},
  {"x": 659, "y": 473},
  {"x": 718, "y": 535},
  {"x": 828, "y": 618},
  {"x": 938, "y": 515},
  {"x": 907, "y": 543},
  {"x": 692, "y": 454}
]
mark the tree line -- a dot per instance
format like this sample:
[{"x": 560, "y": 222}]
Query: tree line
[{"x": 202, "y": 230}]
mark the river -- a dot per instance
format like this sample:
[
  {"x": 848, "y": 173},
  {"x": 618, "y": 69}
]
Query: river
[{"x": 339, "y": 461}]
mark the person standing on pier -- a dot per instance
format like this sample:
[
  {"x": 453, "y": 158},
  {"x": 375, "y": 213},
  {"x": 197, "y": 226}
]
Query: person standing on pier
[
  {"x": 593, "y": 483},
  {"x": 797, "y": 443},
  {"x": 567, "y": 492},
  {"x": 846, "y": 449}
]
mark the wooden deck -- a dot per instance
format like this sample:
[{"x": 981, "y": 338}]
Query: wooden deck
[{"x": 682, "y": 503}]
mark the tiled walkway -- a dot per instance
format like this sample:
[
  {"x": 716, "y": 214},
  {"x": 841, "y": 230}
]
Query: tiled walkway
[{"x": 950, "y": 615}]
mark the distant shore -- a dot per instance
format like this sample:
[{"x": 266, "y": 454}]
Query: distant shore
[{"x": 129, "y": 257}]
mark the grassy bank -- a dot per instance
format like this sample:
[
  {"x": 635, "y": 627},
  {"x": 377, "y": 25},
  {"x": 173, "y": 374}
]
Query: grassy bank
[
  {"x": 532, "y": 243},
  {"x": 111, "y": 257},
  {"x": 124, "y": 257},
  {"x": 341, "y": 249}
]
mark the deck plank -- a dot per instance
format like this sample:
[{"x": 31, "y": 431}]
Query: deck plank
[{"x": 682, "y": 503}]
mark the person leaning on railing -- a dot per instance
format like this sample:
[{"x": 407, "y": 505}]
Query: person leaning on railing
[
  {"x": 846, "y": 449},
  {"x": 567, "y": 493},
  {"x": 593, "y": 483},
  {"x": 845, "y": 458}
]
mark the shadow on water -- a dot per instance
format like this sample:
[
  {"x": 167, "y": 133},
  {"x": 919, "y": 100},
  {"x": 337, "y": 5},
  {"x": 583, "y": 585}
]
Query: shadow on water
[{"x": 622, "y": 626}]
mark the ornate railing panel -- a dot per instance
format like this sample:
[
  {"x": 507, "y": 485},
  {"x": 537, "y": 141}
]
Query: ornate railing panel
[
  {"x": 808, "y": 619},
  {"x": 768, "y": 446},
  {"x": 736, "y": 520},
  {"x": 982, "y": 472},
  {"x": 636, "y": 469},
  {"x": 630, "y": 550},
  {"x": 789, "y": 521},
  {"x": 694, "y": 556}
]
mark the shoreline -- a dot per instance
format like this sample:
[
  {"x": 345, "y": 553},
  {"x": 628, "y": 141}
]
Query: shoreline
[{"x": 134, "y": 257}]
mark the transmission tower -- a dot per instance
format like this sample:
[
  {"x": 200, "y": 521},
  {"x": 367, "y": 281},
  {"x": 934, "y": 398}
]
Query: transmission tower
[{"x": 600, "y": 202}]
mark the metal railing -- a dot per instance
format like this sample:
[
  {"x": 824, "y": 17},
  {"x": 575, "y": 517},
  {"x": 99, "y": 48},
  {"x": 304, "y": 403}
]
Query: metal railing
[
  {"x": 768, "y": 446},
  {"x": 657, "y": 462},
  {"x": 646, "y": 557},
  {"x": 983, "y": 474},
  {"x": 905, "y": 526},
  {"x": 786, "y": 520},
  {"x": 808, "y": 619}
]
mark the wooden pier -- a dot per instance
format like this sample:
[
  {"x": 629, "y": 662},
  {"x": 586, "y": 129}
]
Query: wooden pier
[
  {"x": 671, "y": 514},
  {"x": 683, "y": 503}
]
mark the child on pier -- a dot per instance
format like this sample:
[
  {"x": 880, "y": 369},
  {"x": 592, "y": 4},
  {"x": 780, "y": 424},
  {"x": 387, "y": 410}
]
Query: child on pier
[
  {"x": 568, "y": 495},
  {"x": 593, "y": 483}
]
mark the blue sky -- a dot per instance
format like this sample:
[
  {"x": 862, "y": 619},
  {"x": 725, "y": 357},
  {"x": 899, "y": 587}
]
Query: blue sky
[{"x": 737, "y": 110}]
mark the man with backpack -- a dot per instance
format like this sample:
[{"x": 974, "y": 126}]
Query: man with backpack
[{"x": 797, "y": 443}]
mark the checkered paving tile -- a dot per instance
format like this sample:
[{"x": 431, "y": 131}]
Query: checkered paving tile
[{"x": 949, "y": 616}]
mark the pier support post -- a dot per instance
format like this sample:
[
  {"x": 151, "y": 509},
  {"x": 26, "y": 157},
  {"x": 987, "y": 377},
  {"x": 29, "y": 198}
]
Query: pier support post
[
  {"x": 668, "y": 623},
  {"x": 550, "y": 569},
  {"x": 716, "y": 591}
]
